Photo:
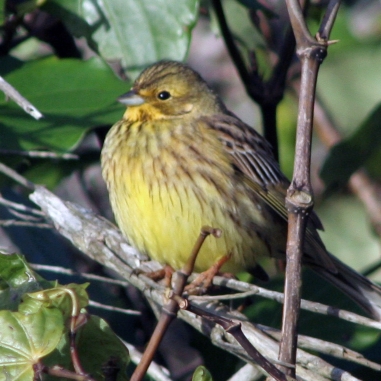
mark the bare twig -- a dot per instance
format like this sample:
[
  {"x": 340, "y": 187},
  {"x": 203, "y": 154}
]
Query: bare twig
[
  {"x": 313, "y": 344},
  {"x": 234, "y": 328},
  {"x": 106, "y": 307},
  {"x": 245, "y": 290},
  {"x": 40, "y": 225},
  {"x": 16, "y": 177},
  {"x": 20, "y": 207},
  {"x": 60, "y": 372},
  {"x": 12, "y": 93},
  {"x": 251, "y": 289},
  {"x": 328, "y": 20},
  {"x": 65, "y": 271},
  {"x": 171, "y": 308},
  {"x": 299, "y": 201},
  {"x": 39, "y": 154}
]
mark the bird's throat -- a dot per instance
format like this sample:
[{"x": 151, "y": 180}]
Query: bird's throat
[{"x": 143, "y": 113}]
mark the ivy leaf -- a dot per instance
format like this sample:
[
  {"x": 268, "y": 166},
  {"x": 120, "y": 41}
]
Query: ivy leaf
[
  {"x": 16, "y": 279},
  {"x": 25, "y": 339}
]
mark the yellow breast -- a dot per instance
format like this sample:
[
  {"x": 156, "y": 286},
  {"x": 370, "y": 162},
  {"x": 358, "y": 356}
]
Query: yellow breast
[{"x": 165, "y": 183}]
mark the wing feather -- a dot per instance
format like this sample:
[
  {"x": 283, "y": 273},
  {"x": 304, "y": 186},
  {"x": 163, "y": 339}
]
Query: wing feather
[{"x": 252, "y": 156}]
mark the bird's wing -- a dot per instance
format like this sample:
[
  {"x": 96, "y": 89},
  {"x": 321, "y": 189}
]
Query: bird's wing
[{"x": 252, "y": 156}]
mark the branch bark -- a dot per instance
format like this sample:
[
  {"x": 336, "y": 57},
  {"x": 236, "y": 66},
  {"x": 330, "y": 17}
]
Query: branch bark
[{"x": 299, "y": 200}]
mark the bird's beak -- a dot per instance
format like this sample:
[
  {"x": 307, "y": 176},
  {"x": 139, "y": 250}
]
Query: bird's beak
[{"x": 131, "y": 99}]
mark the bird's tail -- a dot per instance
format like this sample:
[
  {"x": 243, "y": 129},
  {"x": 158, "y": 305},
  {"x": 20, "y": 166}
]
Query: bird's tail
[{"x": 359, "y": 288}]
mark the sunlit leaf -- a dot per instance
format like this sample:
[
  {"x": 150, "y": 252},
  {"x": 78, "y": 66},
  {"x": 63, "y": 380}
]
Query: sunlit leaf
[
  {"x": 137, "y": 33},
  {"x": 73, "y": 95},
  {"x": 25, "y": 339},
  {"x": 68, "y": 299}
]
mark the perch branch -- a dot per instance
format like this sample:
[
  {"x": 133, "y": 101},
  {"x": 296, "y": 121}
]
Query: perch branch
[{"x": 105, "y": 244}]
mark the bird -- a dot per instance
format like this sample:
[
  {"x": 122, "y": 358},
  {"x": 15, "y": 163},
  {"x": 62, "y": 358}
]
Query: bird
[{"x": 179, "y": 160}]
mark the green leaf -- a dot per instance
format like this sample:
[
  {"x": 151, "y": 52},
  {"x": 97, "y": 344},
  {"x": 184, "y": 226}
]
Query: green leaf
[
  {"x": 247, "y": 36},
  {"x": 98, "y": 348},
  {"x": 352, "y": 153},
  {"x": 73, "y": 95},
  {"x": 67, "y": 298},
  {"x": 348, "y": 233},
  {"x": 202, "y": 374},
  {"x": 16, "y": 279},
  {"x": 137, "y": 33},
  {"x": 25, "y": 339},
  {"x": 350, "y": 100}
]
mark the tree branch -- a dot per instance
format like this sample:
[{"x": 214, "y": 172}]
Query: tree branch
[{"x": 299, "y": 198}]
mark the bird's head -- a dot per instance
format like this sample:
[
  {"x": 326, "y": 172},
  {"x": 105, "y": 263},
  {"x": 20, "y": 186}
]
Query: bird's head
[{"x": 168, "y": 90}]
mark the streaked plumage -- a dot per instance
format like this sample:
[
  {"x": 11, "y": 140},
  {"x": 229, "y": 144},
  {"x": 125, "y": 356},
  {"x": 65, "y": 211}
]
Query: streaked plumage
[{"x": 179, "y": 160}]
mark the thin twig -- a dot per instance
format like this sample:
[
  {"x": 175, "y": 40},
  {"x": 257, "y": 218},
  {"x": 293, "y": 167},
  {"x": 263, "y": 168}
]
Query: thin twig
[
  {"x": 39, "y": 225},
  {"x": 24, "y": 216},
  {"x": 171, "y": 308},
  {"x": 106, "y": 307},
  {"x": 328, "y": 20},
  {"x": 12, "y": 93},
  {"x": 338, "y": 351},
  {"x": 60, "y": 372},
  {"x": 245, "y": 290},
  {"x": 305, "y": 304},
  {"x": 70, "y": 272},
  {"x": 20, "y": 207},
  {"x": 39, "y": 154},
  {"x": 16, "y": 177},
  {"x": 234, "y": 328}
]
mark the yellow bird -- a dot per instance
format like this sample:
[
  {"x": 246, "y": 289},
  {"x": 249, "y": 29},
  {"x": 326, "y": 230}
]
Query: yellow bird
[{"x": 179, "y": 160}]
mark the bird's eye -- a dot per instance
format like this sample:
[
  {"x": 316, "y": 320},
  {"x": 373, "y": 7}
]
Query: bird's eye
[{"x": 164, "y": 95}]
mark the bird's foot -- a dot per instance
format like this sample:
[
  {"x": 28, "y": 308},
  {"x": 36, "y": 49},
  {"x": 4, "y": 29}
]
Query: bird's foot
[
  {"x": 205, "y": 280},
  {"x": 165, "y": 273}
]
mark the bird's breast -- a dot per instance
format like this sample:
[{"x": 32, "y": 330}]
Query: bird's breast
[{"x": 166, "y": 184}]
